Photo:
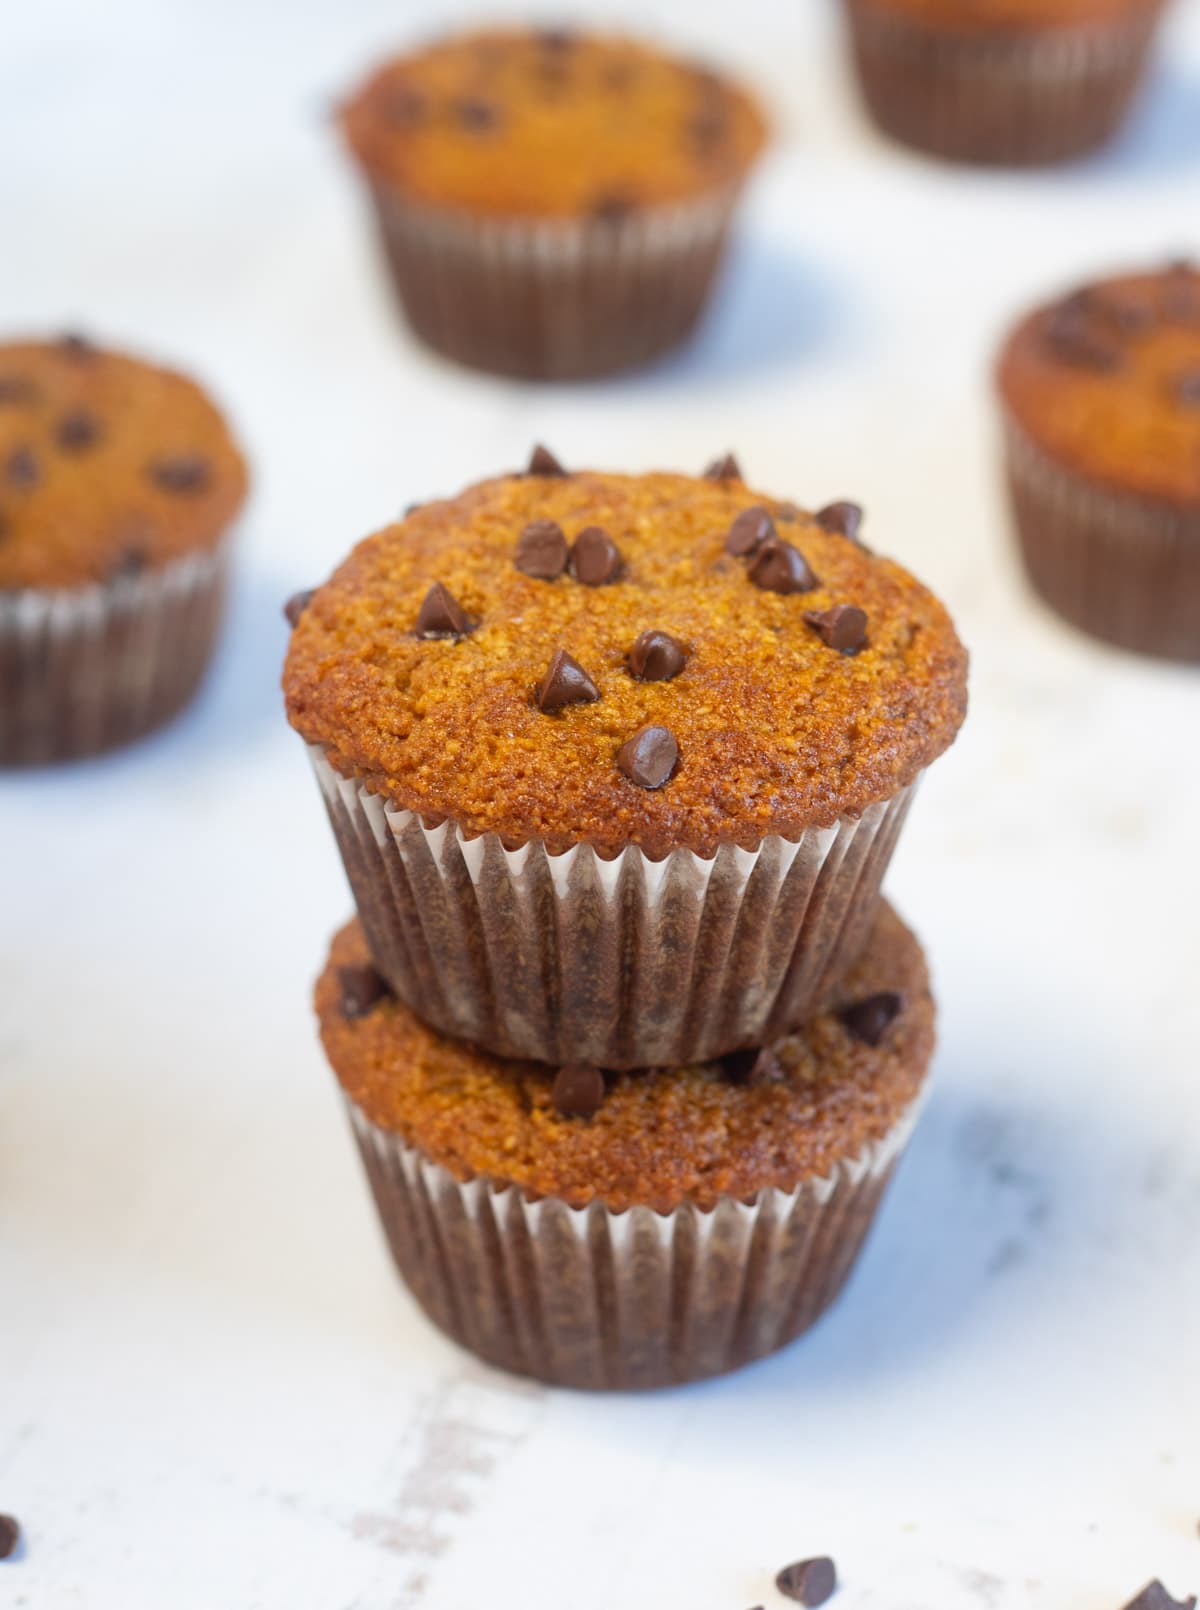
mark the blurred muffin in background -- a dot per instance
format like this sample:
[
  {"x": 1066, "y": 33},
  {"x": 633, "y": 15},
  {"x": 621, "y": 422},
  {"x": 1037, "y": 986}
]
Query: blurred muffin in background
[
  {"x": 118, "y": 484},
  {"x": 552, "y": 205},
  {"x": 1001, "y": 81},
  {"x": 1101, "y": 399}
]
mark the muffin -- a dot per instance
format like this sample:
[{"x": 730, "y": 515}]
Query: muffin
[
  {"x": 616, "y": 762},
  {"x": 1001, "y": 81},
  {"x": 118, "y": 485},
  {"x": 552, "y": 205},
  {"x": 634, "y": 1229},
  {"x": 1101, "y": 399}
]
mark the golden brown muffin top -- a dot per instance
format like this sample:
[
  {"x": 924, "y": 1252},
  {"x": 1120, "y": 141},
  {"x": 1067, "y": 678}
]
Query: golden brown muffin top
[
  {"x": 108, "y": 465},
  {"x": 777, "y": 729},
  {"x": 657, "y": 1138},
  {"x": 550, "y": 123},
  {"x": 1107, "y": 381},
  {"x": 1006, "y": 16}
]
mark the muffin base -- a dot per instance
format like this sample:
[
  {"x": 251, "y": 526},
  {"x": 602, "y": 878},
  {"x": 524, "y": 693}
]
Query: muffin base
[
  {"x": 1122, "y": 568},
  {"x": 553, "y": 300},
  {"x": 85, "y": 669},
  {"x": 1026, "y": 100},
  {"x": 585, "y": 1297}
]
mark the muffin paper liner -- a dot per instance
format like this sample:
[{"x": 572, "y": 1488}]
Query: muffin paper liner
[
  {"x": 1034, "y": 97},
  {"x": 553, "y": 299},
  {"x": 587, "y": 1297},
  {"x": 1123, "y": 568},
  {"x": 621, "y": 963},
  {"x": 86, "y": 668}
]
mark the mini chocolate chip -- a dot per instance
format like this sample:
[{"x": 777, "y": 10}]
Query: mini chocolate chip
[
  {"x": 543, "y": 462},
  {"x": 612, "y": 207},
  {"x": 22, "y": 468},
  {"x": 844, "y": 627},
  {"x": 182, "y": 472},
  {"x": 542, "y": 550},
  {"x": 73, "y": 345},
  {"x": 577, "y": 1092},
  {"x": 361, "y": 987},
  {"x": 777, "y": 567},
  {"x": 1155, "y": 1597},
  {"x": 595, "y": 557},
  {"x": 10, "y": 1536},
  {"x": 809, "y": 1582},
  {"x": 755, "y": 1065},
  {"x": 749, "y": 531},
  {"x": 17, "y": 389},
  {"x": 297, "y": 604},
  {"x": 77, "y": 431},
  {"x": 650, "y": 757},
  {"x": 404, "y": 107},
  {"x": 557, "y": 39},
  {"x": 481, "y": 117},
  {"x": 1186, "y": 388},
  {"x": 565, "y": 682},
  {"x": 411, "y": 508},
  {"x": 441, "y": 614},
  {"x": 725, "y": 468},
  {"x": 869, "y": 1020},
  {"x": 657, "y": 657},
  {"x": 1072, "y": 339},
  {"x": 130, "y": 565},
  {"x": 841, "y": 519}
]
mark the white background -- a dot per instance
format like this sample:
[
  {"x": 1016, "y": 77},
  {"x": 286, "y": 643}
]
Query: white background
[{"x": 213, "y": 1394}]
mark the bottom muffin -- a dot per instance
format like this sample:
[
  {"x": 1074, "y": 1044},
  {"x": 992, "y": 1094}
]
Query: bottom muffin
[{"x": 638, "y": 1229}]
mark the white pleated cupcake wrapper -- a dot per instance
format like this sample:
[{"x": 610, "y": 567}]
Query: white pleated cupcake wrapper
[
  {"x": 554, "y": 298},
  {"x": 84, "y": 668},
  {"x": 628, "y": 962},
  {"x": 587, "y": 1297},
  {"x": 1124, "y": 568}
]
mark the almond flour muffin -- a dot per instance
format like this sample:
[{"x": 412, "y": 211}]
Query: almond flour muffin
[
  {"x": 640, "y": 1229},
  {"x": 1101, "y": 399},
  {"x": 118, "y": 485},
  {"x": 616, "y": 762},
  {"x": 1001, "y": 81},
  {"x": 552, "y": 204}
]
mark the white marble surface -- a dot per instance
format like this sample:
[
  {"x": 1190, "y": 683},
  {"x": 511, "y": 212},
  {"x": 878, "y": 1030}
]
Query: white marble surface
[{"x": 213, "y": 1395}]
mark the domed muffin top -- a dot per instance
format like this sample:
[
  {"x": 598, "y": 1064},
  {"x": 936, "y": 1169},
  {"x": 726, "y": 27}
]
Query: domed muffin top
[
  {"x": 108, "y": 465},
  {"x": 550, "y": 123},
  {"x": 1023, "y": 16}
]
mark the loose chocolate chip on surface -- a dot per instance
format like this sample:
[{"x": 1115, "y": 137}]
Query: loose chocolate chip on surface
[
  {"x": 1186, "y": 388},
  {"x": 10, "y": 1536},
  {"x": 869, "y": 1020},
  {"x": 77, "y": 431},
  {"x": 1155, "y": 1597},
  {"x": 753, "y": 1066},
  {"x": 182, "y": 472},
  {"x": 657, "y": 657},
  {"x": 361, "y": 988},
  {"x": 777, "y": 567},
  {"x": 565, "y": 682},
  {"x": 543, "y": 462},
  {"x": 725, "y": 468},
  {"x": 809, "y": 1582},
  {"x": 297, "y": 604},
  {"x": 541, "y": 550},
  {"x": 841, "y": 519},
  {"x": 478, "y": 116},
  {"x": 595, "y": 557},
  {"x": 650, "y": 757},
  {"x": 17, "y": 389},
  {"x": 22, "y": 468},
  {"x": 844, "y": 627},
  {"x": 441, "y": 614},
  {"x": 577, "y": 1092},
  {"x": 749, "y": 531}
]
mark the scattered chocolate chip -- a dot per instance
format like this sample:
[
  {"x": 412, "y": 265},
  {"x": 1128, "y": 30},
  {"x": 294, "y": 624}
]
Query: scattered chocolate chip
[
  {"x": 182, "y": 472},
  {"x": 612, "y": 207},
  {"x": 577, "y": 1092},
  {"x": 725, "y": 468},
  {"x": 130, "y": 564},
  {"x": 361, "y": 988},
  {"x": 10, "y": 1536},
  {"x": 844, "y": 627},
  {"x": 809, "y": 1582},
  {"x": 1155, "y": 1597},
  {"x": 749, "y": 531},
  {"x": 17, "y": 389},
  {"x": 869, "y": 1020},
  {"x": 595, "y": 557},
  {"x": 1073, "y": 339},
  {"x": 73, "y": 345},
  {"x": 411, "y": 508},
  {"x": 557, "y": 39},
  {"x": 22, "y": 468},
  {"x": 841, "y": 519},
  {"x": 777, "y": 567},
  {"x": 565, "y": 682},
  {"x": 650, "y": 757},
  {"x": 404, "y": 107},
  {"x": 755, "y": 1065},
  {"x": 1186, "y": 388},
  {"x": 441, "y": 614},
  {"x": 543, "y": 462},
  {"x": 77, "y": 431},
  {"x": 542, "y": 550},
  {"x": 481, "y": 117},
  {"x": 297, "y": 604},
  {"x": 657, "y": 657}
]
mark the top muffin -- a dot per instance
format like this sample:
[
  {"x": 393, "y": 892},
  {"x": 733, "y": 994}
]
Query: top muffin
[
  {"x": 550, "y": 123},
  {"x": 107, "y": 465},
  {"x": 985, "y": 16},
  {"x": 612, "y": 659}
]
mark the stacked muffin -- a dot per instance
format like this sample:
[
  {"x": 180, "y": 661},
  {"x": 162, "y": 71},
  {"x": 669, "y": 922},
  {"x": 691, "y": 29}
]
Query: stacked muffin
[{"x": 630, "y": 1045}]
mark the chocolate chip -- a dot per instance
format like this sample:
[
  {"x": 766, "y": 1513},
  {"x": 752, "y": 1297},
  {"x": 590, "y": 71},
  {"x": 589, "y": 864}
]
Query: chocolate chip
[
  {"x": 844, "y": 627},
  {"x": 754, "y": 1066},
  {"x": 297, "y": 604},
  {"x": 73, "y": 345},
  {"x": 565, "y": 682},
  {"x": 869, "y": 1020},
  {"x": 841, "y": 519},
  {"x": 77, "y": 431},
  {"x": 595, "y": 557},
  {"x": 361, "y": 988},
  {"x": 557, "y": 39},
  {"x": 612, "y": 207},
  {"x": 129, "y": 565},
  {"x": 650, "y": 757},
  {"x": 404, "y": 107},
  {"x": 1186, "y": 388},
  {"x": 1155, "y": 1597},
  {"x": 479, "y": 116},
  {"x": 17, "y": 389},
  {"x": 777, "y": 567},
  {"x": 657, "y": 657},
  {"x": 725, "y": 468},
  {"x": 809, "y": 1582},
  {"x": 542, "y": 550},
  {"x": 749, "y": 531},
  {"x": 411, "y": 508},
  {"x": 1072, "y": 338},
  {"x": 182, "y": 472},
  {"x": 577, "y": 1092},
  {"x": 22, "y": 468},
  {"x": 441, "y": 615},
  {"x": 10, "y": 1536},
  {"x": 543, "y": 462}
]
